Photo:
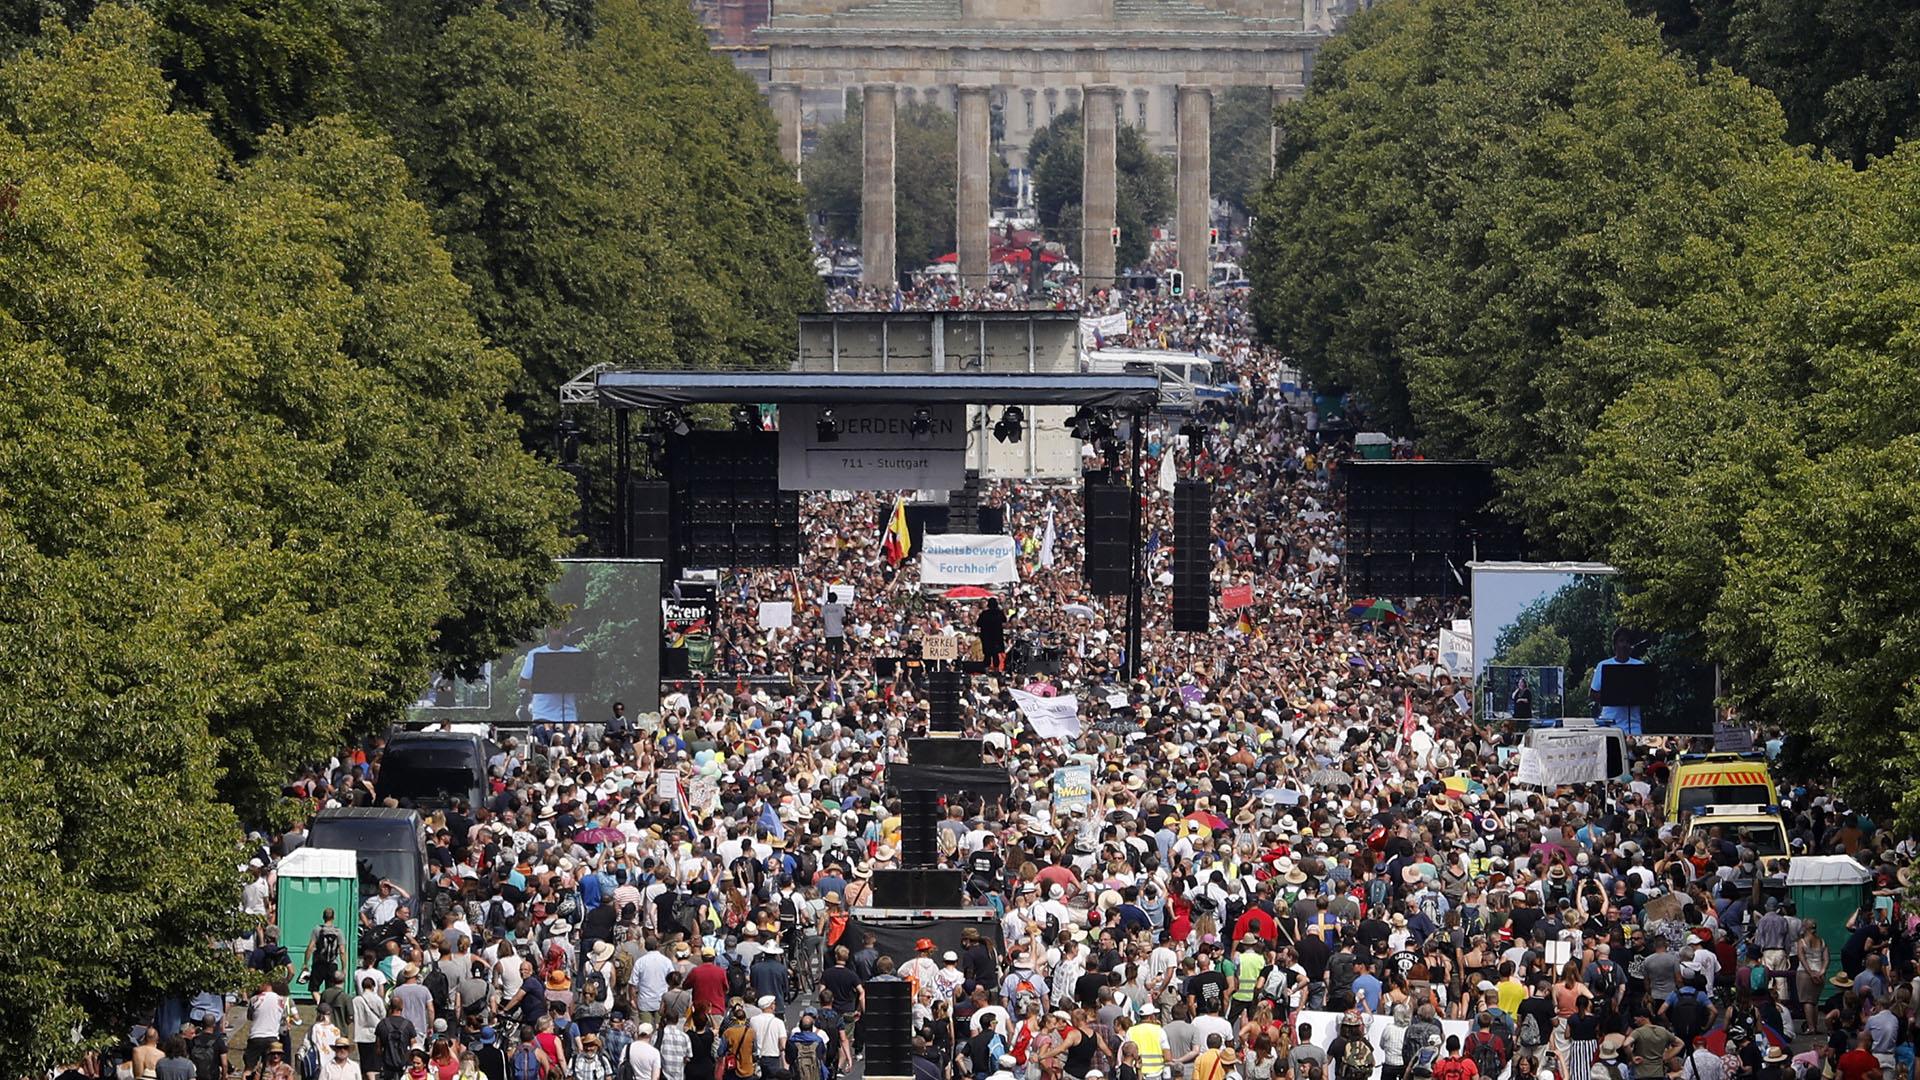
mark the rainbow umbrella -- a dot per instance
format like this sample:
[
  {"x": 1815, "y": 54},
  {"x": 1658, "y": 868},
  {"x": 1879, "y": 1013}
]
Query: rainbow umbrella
[
  {"x": 1460, "y": 785},
  {"x": 1378, "y": 610}
]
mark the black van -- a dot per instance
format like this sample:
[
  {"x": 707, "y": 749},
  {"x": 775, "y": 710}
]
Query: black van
[
  {"x": 429, "y": 769},
  {"x": 387, "y": 843}
]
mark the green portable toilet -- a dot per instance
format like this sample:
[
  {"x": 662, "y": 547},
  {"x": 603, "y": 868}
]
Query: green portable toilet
[
  {"x": 1373, "y": 445},
  {"x": 1828, "y": 889},
  {"x": 311, "y": 881}
]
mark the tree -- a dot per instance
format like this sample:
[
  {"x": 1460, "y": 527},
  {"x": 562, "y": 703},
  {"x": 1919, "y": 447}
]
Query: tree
[
  {"x": 926, "y": 144},
  {"x": 260, "y": 482},
  {"x": 1495, "y": 297},
  {"x": 1242, "y": 145},
  {"x": 1144, "y": 186},
  {"x": 1846, "y": 72}
]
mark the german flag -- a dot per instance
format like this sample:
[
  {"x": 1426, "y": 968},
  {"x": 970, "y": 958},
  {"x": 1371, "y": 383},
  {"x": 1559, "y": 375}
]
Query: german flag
[{"x": 896, "y": 542}]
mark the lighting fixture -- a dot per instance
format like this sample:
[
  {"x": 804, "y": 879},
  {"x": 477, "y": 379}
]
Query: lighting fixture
[
  {"x": 921, "y": 426},
  {"x": 1012, "y": 421},
  {"x": 826, "y": 428}
]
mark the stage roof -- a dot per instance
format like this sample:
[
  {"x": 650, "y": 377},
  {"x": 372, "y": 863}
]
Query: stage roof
[{"x": 663, "y": 389}]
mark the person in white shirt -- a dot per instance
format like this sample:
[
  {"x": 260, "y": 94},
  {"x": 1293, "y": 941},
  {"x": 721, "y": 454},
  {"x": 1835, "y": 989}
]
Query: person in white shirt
[
  {"x": 641, "y": 1055},
  {"x": 339, "y": 1065},
  {"x": 769, "y": 1034},
  {"x": 650, "y": 981}
]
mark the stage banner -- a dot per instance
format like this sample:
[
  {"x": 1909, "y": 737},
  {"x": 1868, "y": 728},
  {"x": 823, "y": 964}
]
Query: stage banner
[
  {"x": 967, "y": 559},
  {"x": 872, "y": 448}
]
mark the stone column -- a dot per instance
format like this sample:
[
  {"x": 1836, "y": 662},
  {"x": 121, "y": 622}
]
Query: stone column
[
  {"x": 876, "y": 186},
  {"x": 1099, "y": 187},
  {"x": 973, "y": 188},
  {"x": 786, "y": 112},
  {"x": 1195, "y": 183}
]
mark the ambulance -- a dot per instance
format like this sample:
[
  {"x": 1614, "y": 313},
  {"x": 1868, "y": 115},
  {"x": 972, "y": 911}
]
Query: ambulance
[{"x": 1702, "y": 780}]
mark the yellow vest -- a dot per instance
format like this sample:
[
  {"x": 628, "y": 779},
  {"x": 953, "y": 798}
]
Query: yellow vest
[{"x": 1150, "y": 1038}]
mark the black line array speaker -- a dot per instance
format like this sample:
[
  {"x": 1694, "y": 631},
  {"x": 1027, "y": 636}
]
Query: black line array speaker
[
  {"x": 1192, "y": 555},
  {"x": 918, "y": 889},
  {"x": 948, "y": 753},
  {"x": 963, "y": 505},
  {"x": 648, "y": 501},
  {"x": 1109, "y": 538},
  {"x": 919, "y": 828},
  {"x": 726, "y": 506},
  {"x": 943, "y": 702},
  {"x": 991, "y": 520},
  {"x": 886, "y": 1027},
  {"x": 1412, "y": 526}
]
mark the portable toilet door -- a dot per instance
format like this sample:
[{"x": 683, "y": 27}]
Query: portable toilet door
[
  {"x": 1828, "y": 889},
  {"x": 311, "y": 880}
]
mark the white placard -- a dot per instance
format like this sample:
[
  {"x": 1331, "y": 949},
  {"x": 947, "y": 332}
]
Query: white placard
[
  {"x": 666, "y": 785},
  {"x": 703, "y": 795},
  {"x": 1051, "y": 717},
  {"x": 1095, "y": 330},
  {"x": 1552, "y": 758},
  {"x": 776, "y": 614},
  {"x": 940, "y": 647},
  {"x": 1456, "y": 651},
  {"x": 874, "y": 448},
  {"x": 967, "y": 559},
  {"x": 837, "y": 593}
]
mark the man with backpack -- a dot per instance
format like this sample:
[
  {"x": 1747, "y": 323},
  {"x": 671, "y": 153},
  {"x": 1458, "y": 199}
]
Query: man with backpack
[
  {"x": 393, "y": 1041},
  {"x": 1487, "y": 1049},
  {"x": 808, "y": 1051},
  {"x": 1688, "y": 1012},
  {"x": 325, "y": 948},
  {"x": 1535, "y": 1018},
  {"x": 1607, "y": 983},
  {"x": 1351, "y": 1053},
  {"x": 528, "y": 1060},
  {"x": 206, "y": 1047},
  {"x": 1456, "y": 1065}
]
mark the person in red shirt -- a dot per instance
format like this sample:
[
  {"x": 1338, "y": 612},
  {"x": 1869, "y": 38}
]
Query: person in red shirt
[
  {"x": 707, "y": 982},
  {"x": 1456, "y": 1065},
  {"x": 1256, "y": 920},
  {"x": 1859, "y": 1062}
]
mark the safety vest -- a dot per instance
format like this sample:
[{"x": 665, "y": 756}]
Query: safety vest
[
  {"x": 1251, "y": 965},
  {"x": 1150, "y": 1038}
]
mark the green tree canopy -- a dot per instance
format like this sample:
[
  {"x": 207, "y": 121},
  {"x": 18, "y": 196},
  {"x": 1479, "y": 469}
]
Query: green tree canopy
[
  {"x": 1242, "y": 144},
  {"x": 1492, "y": 216},
  {"x": 260, "y": 482},
  {"x": 1057, "y": 156},
  {"x": 1847, "y": 72}
]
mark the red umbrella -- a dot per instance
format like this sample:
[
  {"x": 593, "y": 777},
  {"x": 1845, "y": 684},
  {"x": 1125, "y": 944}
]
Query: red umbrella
[
  {"x": 968, "y": 592},
  {"x": 949, "y": 257}
]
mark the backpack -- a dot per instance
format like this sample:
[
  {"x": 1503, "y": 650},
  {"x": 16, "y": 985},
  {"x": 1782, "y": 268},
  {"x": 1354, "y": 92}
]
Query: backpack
[
  {"x": 737, "y": 981},
  {"x": 326, "y": 949},
  {"x": 1356, "y": 1060},
  {"x": 1051, "y": 933},
  {"x": 1025, "y": 993},
  {"x": 1274, "y": 988},
  {"x": 1484, "y": 1049},
  {"x": 1604, "y": 982},
  {"x": 525, "y": 1064},
  {"x": 440, "y": 988},
  {"x": 806, "y": 1059},
  {"x": 204, "y": 1052},
  {"x": 1529, "y": 1031},
  {"x": 496, "y": 916},
  {"x": 1686, "y": 1015},
  {"x": 1423, "y": 1062}
]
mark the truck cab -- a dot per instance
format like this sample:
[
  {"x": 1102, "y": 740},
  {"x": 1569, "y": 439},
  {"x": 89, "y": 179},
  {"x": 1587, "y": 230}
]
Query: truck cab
[
  {"x": 1755, "y": 826},
  {"x": 1700, "y": 780}
]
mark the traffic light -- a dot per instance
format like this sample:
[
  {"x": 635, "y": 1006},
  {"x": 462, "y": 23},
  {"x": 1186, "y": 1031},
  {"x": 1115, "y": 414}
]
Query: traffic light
[
  {"x": 1213, "y": 237},
  {"x": 1113, "y": 234},
  {"x": 1176, "y": 284}
]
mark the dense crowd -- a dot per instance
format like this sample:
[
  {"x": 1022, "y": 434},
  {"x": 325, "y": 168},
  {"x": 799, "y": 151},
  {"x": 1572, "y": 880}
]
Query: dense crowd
[{"x": 1302, "y": 857}]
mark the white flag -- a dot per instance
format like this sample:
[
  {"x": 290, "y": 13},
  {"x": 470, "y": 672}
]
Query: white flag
[
  {"x": 1167, "y": 475},
  {"x": 1046, "y": 542}
]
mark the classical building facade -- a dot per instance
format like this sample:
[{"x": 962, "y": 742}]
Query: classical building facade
[{"x": 1155, "y": 64}]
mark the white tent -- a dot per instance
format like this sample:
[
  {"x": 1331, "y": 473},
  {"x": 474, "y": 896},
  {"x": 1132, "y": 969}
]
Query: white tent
[{"x": 1826, "y": 870}]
